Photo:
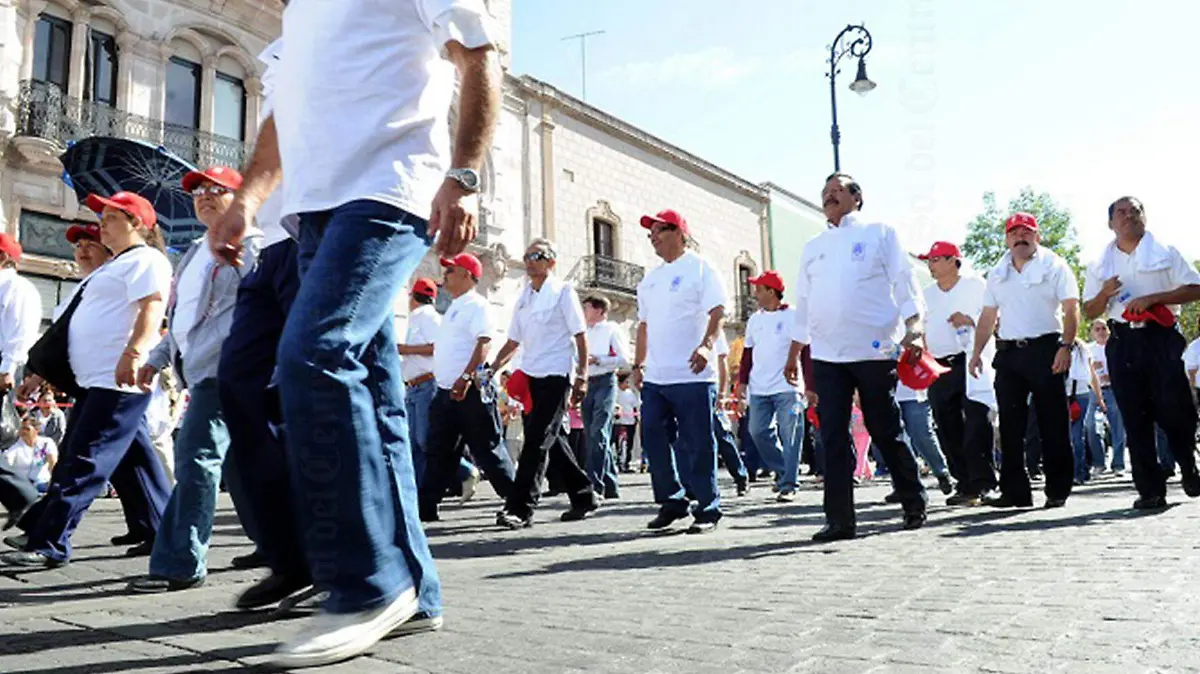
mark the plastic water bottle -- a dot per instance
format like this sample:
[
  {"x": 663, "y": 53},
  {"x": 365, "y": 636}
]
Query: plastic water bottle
[
  {"x": 487, "y": 388},
  {"x": 965, "y": 336},
  {"x": 1124, "y": 297},
  {"x": 889, "y": 349}
]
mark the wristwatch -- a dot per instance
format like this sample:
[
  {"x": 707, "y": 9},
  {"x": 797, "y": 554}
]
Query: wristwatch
[
  {"x": 466, "y": 376},
  {"x": 1065, "y": 345},
  {"x": 467, "y": 178}
]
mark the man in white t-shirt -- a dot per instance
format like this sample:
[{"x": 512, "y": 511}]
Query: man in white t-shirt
[
  {"x": 608, "y": 351},
  {"x": 680, "y": 308},
  {"x": 1139, "y": 284},
  {"x": 463, "y": 412},
  {"x": 776, "y": 412},
  {"x": 363, "y": 96},
  {"x": 1033, "y": 293},
  {"x": 20, "y": 313},
  {"x": 1106, "y": 402},
  {"x": 628, "y": 405},
  {"x": 961, "y": 402}
]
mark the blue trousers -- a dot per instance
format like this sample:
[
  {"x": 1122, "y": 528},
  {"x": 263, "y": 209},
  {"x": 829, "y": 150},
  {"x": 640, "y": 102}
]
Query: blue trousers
[
  {"x": 919, "y": 435},
  {"x": 417, "y": 400},
  {"x": 108, "y": 426},
  {"x": 343, "y": 405},
  {"x": 727, "y": 447},
  {"x": 777, "y": 424},
  {"x": 598, "y": 407},
  {"x": 690, "y": 408}
]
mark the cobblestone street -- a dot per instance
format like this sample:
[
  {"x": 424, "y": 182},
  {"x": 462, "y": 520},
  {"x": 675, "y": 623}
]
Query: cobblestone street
[{"x": 1091, "y": 588}]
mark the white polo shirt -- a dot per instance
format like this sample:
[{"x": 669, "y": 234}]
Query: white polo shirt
[
  {"x": 674, "y": 301},
  {"x": 942, "y": 339},
  {"x": 609, "y": 346},
  {"x": 1030, "y": 300},
  {"x": 269, "y": 219},
  {"x": 1153, "y": 267},
  {"x": 855, "y": 287},
  {"x": 1191, "y": 361},
  {"x": 188, "y": 287},
  {"x": 424, "y": 322},
  {"x": 363, "y": 97},
  {"x": 467, "y": 320},
  {"x": 769, "y": 333},
  {"x": 545, "y": 323},
  {"x": 20, "y": 319}
]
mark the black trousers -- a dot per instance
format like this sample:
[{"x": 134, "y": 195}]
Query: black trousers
[
  {"x": 963, "y": 429},
  {"x": 875, "y": 381},
  {"x": 453, "y": 426},
  {"x": 1146, "y": 369},
  {"x": 16, "y": 491},
  {"x": 544, "y": 436},
  {"x": 1020, "y": 373}
]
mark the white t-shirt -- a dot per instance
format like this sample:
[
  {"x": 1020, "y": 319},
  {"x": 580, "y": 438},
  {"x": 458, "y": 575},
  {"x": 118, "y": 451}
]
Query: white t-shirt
[
  {"x": 1191, "y": 361},
  {"x": 545, "y": 323},
  {"x": 31, "y": 462},
  {"x": 1030, "y": 301},
  {"x": 20, "y": 319},
  {"x": 187, "y": 294},
  {"x": 674, "y": 301},
  {"x": 1079, "y": 377},
  {"x": 628, "y": 405},
  {"x": 103, "y": 322},
  {"x": 270, "y": 214},
  {"x": 423, "y": 325},
  {"x": 609, "y": 346},
  {"x": 1152, "y": 268},
  {"x": 942, "y": 339},
  {"x": 769, "y": 333},
  {"x": 363, "y": 96},
  {"x": 1099, "y": 363},
  {"x": 467, "y": 320}
]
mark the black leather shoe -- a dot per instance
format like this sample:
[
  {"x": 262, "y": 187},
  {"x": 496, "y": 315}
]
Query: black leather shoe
[
  {"x": 1055, "y": 503},
  {"x": 142, "y": 549},
  {"x": 893, "y": 497},
  {"x": 1004, "y": 501},
  {"x": 945, "y": 485},
  {"x": 252, "y": 560},
  {"x": 127, "y": 538},
  {"x": 29, "y": 560},
  {"x": 664, "y": 519},
  {"x": 1150, "y": 503},
  {"x": 159, "y": 584},
  {"x": 914, "y": 520},
  {"x": 1191, "y": 484},
  {"x": 961, "y": 499},
  {"x": 831, "y": 533},
  {"x": 743, "y": 486},
  {"x": 576, "y": 514},
  {"x": 511, "y": 521},
  {"x": 702, "y": 527},
  {"x": 270, "y": 590}
]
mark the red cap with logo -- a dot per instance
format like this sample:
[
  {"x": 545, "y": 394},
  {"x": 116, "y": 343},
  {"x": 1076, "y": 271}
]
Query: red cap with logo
[
  {"x": 1019, "y": 220},
  {"x": 518, "y": 389},
  {"x": 920, "y": 375},
  {"x": 10, "y": 246},
  {"x": 467, "y": 261},
  {"x": 1158, "y": 313},
  {"x": 668, "y": 217},
  {"x": 941, "y": 249},
  {"x": 220, "y": 175},
  {"x": 425, "y": 287},
  {"x": 83, "y": 231},
  {"x": 130, "y": 203},
  {"x": 770, "y": 279}
]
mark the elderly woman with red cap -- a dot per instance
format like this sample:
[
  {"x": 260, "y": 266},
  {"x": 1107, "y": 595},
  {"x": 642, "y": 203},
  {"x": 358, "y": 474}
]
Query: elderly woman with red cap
[{"x": 111, "y": 325}]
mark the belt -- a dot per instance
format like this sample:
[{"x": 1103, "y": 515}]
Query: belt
[
  {"x": 1122, "y": 328},
  {"x": 418, "y": 380},
  {"x": 603, "y": 375},
  {"x": 1006, "y": 344}
]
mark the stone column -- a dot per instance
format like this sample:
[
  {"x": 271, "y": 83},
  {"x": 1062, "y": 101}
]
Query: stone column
[
  {"x": 31, "y": 11},
  {"x": 254, "y": 104},
  {"x": 126, "y": 42},
  {"x": 78, "y": 76},
  {"x": 208, "y": 81}
]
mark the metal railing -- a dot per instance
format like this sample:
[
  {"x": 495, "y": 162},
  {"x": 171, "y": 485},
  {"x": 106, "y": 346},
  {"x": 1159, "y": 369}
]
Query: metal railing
[
  {"x": 44, "y": 111},
  {"x": 606, "y": 273}
]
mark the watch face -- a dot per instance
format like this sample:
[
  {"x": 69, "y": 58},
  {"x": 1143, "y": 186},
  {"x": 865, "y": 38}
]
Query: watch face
[{"x": 467, "y": 178}]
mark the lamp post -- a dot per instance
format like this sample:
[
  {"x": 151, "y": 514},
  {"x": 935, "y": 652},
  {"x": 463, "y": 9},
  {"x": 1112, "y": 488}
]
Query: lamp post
[{"x": 855, "y": 41}]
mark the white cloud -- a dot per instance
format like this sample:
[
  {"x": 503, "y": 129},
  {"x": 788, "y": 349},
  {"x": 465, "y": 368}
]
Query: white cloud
[{"x": 710, "y": 68}]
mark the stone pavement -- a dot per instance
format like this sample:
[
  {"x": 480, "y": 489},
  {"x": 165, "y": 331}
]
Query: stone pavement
[{"x": 1092, "y": 588}]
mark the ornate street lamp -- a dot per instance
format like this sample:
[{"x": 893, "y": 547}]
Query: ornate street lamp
[{"x": 855, "y": 41}]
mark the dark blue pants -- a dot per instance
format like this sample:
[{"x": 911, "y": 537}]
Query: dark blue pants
[
  {"x": 456, "y": 426},
  {"x": 108, "y": 426},
  {"x": 256, "y": 467}
]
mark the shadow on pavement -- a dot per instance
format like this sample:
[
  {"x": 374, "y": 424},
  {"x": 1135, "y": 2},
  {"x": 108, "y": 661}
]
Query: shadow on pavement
[{"x": 1086, "y": 519}]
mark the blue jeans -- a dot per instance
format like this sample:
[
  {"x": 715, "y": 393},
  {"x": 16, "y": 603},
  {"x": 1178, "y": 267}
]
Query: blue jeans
[
  {"x": 1084, "y": 398},
  {"x": 690, "y": 406},
  {"x": 181, "y": 547},
  {"x": 598, "y": 408},
  {"x": 727, "y": 448},
  {"x": 1115, "y": 425},
  {"x": 920, "y": 437},
  {"x": 777, "y": 426},
  {"x": 416, "y": 403},
  {"x": 343, "y": 404}
]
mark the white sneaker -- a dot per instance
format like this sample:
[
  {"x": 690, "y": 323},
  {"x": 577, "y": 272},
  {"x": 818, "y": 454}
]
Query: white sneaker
[
  {"x": 333, "y": 637},
  {"x": 469, "y": 486}
]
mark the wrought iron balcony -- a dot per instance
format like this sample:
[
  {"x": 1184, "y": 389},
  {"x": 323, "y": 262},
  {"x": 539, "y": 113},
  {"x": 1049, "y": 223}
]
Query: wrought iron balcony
[
  {"x": 606, "y": 273},
  {"x": 44, "y": 111}
]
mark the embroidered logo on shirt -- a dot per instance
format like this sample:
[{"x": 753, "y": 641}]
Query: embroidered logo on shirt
[
  {"x": 454, "y": 314},
  {"x": 779, "y": 327},
  {"x": 859, "y": 252},
  {"x": 675, "y": 283}
]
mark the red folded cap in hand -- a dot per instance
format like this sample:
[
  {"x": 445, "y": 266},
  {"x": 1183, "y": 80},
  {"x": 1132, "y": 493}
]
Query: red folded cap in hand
[
  {"x": 1159, "y": 313},
  {"x": 1076, "y": 410},
  {"x": 920, "y": 375},
  {"x": 518, "y": 389}
]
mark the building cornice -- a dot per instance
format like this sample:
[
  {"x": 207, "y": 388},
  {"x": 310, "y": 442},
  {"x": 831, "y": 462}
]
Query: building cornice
[
  {"x": 576, "y": 108},
  {"x": 792, "y": 195}
]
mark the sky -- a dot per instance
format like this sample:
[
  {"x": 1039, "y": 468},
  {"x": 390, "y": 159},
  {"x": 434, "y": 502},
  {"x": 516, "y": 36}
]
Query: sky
[{"x": 1087, "y": 101}]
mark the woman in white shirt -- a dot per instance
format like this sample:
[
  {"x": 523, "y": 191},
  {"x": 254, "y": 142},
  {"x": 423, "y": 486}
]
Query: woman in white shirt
[
  {"x": 110, "y": 333},
  {"x": 32, "y": 456}
]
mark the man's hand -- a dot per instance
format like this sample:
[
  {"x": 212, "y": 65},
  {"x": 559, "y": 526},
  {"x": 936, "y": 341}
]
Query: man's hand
[
  {"x": 636, "y": 377},
  {"x": 452, "y": 218},
  {"x": 791, "y": 372},
  {"x": 578, "y": 391},
  {"x": 913, "y": 343},
  {"x": 145, "y": 377},
  {"x": 1101, "y": 404},
  {"x": 225, "y": 237},
  {"x": 127, "y": 369},
  {"x": 811, "y": 398},
  {"x": 699, "y": 359},
  {"x": 30, "y": 386},
  {"x": 7, "y": 382},
  {"x": 976, "y": 365},
  {"x": 592, "y": 360},
  {"x": 958, "y": 319},
  {"x": 1111, "y": 287},
  {"x": 1062, "y": 360},
  {"x": 1141, "y": 303},
  {"x": 458, "y": 392}
]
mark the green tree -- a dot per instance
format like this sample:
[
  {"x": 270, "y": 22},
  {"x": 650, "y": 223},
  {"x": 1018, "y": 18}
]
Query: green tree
[
  {"x": 985, "y": 234},
  {"x": 1190, "y": 316}
]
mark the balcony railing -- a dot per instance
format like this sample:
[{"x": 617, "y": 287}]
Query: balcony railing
[
  {"x": 606, "y": 273},
  {"x": 43, "y": 111}
]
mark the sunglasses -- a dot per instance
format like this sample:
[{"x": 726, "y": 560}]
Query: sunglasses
[
  {"x": 215, "y": 190},
  {"x": 539, "y": 256},
  {"x": 658, "y": 229}
]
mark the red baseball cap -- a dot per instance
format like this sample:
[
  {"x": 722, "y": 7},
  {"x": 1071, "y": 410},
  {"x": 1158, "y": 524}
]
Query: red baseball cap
[
  {"x": 518, "y": 389},
  {"x": 1159, "y": 313},
  {"x": 130, "y": 203},
  {"x": 668, "y": 217},
  {"x": 941, "y": 249},
  {"x": 1018, "y": 220},
  {"x": 920, "y": 375},
  {"x": 221, "y": 175},
  {"x": 83, "y": 231},
  {"x": 770, "y": 279},
  {"x": 10, "y": 246},
  {"x": 425, "y": 287},
  {"x": 466, "y": 261}
]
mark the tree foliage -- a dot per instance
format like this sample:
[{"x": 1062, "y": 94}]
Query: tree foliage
[
  {"x": 1190, "y": 316},
  {"x": 985, "y": 234}
]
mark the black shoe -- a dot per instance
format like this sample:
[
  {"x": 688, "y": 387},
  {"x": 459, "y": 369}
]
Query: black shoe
[
  {"x": 1191, "y": 484},
  {"x": 664, "y": 519},
  {"x": 615, "y": 496},
  {"x": 1150, "y": 503},
  {"x": 961, "y": 499},
  {"x": 17, "y": 542},
  {"x": 1055, "y": 503},
  {"x": 29, "y": 560},
  {"x": 742, "y": 487},
  {"x": 270, "y": 590},
  {"x": 1004, "y": 501},
  {"x": 945, "y": 485},
  {"x": 511, "y": 521},
  {"x": 142, "y": 549},
  {"x": 914, "y": 520},
  {"x": 127, "y": 538},
  {"x": 159, "y": 584},
  {"x": 252, "y": 560},
  {"x": 576, "y": 514},
  {"x": 892, "y": 498},
  {"x": 14, "y": 516},
  {"x": 701, "y": 527},
  {"x": 831, "y": 533}
]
